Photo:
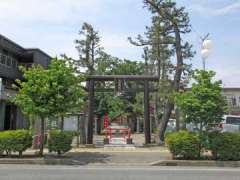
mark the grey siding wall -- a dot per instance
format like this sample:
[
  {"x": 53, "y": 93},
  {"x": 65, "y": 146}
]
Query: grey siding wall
[
  {"x": 8, "y": 72},
  {"x": 40, "y": 58},
  {"x": 10, "y": 46},
  {"x": 21, "y": 121}
]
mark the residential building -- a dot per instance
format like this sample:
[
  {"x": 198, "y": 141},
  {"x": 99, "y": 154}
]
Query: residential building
[
  {"x": 233, "y": 99},
  {"x": 232, "y": 95},
  {"x": 11, "y": 56}
]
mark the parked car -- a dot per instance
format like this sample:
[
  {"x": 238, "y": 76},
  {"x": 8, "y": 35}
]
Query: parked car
[
  {"x": 171, "y": 126},
  {"x": 230, "y": 123}
]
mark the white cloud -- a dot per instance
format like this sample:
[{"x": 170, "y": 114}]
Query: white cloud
[
  {"x": 52, "y": 25},
  {"x": 228, "y": 9},
  {"x": 208, "y": 11},
  {"x": 118, "y": 45},
  {"x": 54, "y": 11},
  {"x": 111, "y": 40}
]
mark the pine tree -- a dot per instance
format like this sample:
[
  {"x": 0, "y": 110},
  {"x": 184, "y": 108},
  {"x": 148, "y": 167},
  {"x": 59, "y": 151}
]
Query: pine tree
[
  {"x": 164, "y": 41},
  {"x": 88, "y": 47}
]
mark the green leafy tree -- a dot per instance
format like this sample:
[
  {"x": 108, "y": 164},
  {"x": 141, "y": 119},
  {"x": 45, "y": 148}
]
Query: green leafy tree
[
  {"x": 34, "y": 96},
  {"x": 137, "y": 106},
  {"x": 116, "y": 106},
  {"x": 138, "y": 109},
  {"x": 204, "y": 104},
  {"x": 49, "y": 92},
  {"x": 66, "y": 87},
  {"x": 105, "y": 64},
  {"x": 109, "y": 101}
]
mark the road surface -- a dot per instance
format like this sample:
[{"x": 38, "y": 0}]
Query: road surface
[{"x": 36, "y": 172}]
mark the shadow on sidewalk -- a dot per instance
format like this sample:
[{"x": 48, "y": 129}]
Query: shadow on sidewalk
[
  {"x": 90, "y": 157},
  {"x": 83, "y": 158}
]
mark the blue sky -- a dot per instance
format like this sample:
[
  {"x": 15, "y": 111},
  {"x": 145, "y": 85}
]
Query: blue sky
[{"x": 52, "y": 25}]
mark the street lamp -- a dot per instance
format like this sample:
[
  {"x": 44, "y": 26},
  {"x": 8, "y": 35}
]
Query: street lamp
[{"x": 206, "y": 47}]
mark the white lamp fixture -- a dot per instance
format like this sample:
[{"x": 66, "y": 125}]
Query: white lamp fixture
[
  {"x": 207, "y": 45},
  {"x": 205, "y": 53}
]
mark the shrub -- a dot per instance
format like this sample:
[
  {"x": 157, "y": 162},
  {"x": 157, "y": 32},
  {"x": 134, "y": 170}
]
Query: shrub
[
  {"x": 225, "y": 146},
  {"x": 214, "y": 139},
  {"x": 15, "y": 141},
  {"x": 183, "y": 144},
  {"x": 5, "y": 142},
  {"x": 22, "y": 140},
  {"x": 60, "y": 142}
]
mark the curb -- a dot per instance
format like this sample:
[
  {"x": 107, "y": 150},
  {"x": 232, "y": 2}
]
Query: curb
[
  {"x": 70, "y": 162},
  {"x": 41, "y": 161},
  {"x": 196, "y": 163},
  {"x": 193, "y": 163}
]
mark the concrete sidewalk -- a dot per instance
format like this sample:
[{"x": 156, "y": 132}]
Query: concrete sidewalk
[
  {"x": 93, "y": 156},
  {"x": 101, "y": 157}
]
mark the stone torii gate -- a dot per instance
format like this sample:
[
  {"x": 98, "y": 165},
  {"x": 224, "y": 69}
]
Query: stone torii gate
[{"x": 91, "y": 89}]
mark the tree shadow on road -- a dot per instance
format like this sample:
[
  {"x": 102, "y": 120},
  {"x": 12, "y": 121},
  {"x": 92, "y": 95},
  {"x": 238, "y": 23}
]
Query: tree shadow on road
[{"x": 84, "y": 158}]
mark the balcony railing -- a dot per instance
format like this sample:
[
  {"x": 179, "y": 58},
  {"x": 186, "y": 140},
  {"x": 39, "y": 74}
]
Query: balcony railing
[
  {"x": 8, "y": 61},
  {"x": 6, "y": 94}
]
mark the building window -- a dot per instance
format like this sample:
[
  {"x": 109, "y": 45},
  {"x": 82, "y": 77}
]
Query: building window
[
  {"x": 234, "y": 101},
  {"x": 9, "y": 61},
  {"x": 14, "y": 63},
  {"x": 2, "y": 59}
]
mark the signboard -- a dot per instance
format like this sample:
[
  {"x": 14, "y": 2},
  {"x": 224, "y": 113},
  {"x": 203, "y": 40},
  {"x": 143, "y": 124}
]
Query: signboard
[{"x": 71, "y": 123}]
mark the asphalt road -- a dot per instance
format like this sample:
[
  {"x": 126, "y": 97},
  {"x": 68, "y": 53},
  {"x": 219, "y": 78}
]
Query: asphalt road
[{"x": 36, "y": 172}]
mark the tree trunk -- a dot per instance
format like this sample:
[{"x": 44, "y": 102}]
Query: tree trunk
[
  {"x": 163, "y": 125},
  {"x": 99, "y": 126},
  {"x": 83, "y": 130},
  {"x": 83, "y": 120},
  {"x": 138, "y": 125},
  {"x": 177, "y": 112},
  {"x": 201, "y": 139},
  {"x": 175, "y": 85},
  {"x": 78, "y": 130},
  {"x": 156, "y": 108},
  {"x": 20, "y": 154},
  {"x": 42, "y": 136},
  {"x": 90, "y": 112}
]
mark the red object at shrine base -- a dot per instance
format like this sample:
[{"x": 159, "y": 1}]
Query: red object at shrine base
[
  {"x": 105, "y": 121},
  {"x": 120, "y": 134}
]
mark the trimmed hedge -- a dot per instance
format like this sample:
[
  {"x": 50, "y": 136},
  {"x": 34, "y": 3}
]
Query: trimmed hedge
[
  {"x": 15, "y": 141},
  {"x": 225, "y": 146},
  {"x": 183, "y": 144},
  {"x": 60, "y": 142}
]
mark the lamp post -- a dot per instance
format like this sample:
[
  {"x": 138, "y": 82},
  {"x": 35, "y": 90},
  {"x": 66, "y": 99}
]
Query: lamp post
[{"x": 206, "y": 47}]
